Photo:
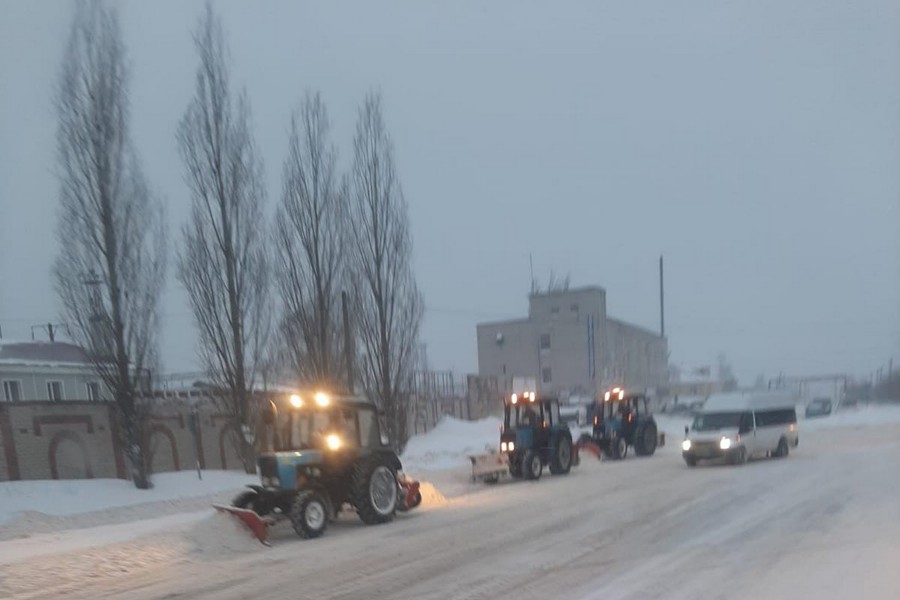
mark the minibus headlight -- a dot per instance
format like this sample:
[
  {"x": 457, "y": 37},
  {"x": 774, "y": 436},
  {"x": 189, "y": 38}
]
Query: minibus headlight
[
  {"x": 725, "y": 443},
  {"x": 686, "y": 445}
]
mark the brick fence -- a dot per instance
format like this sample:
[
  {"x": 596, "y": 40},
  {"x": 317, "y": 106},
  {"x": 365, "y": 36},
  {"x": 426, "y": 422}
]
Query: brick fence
[{"x": 77, "y": 440}]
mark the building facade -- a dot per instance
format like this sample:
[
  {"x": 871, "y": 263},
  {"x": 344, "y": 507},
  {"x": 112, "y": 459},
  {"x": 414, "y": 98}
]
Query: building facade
[
  {"x": 572, "y": 347},
  {"x": 48, "y": 371}
]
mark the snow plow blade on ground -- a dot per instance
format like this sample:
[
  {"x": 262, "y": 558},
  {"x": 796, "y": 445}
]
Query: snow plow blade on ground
[
  {"x": 409, "y": 496},
  {"x": 258, "y": 526}
]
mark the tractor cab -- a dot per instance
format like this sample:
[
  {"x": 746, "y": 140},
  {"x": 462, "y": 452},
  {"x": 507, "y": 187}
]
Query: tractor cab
[
  {"x": 622, "y": 420},
  {"x": 534, "y": 435},
  {"x": 528, "y": 422},
  {"x": 327, "y": 423}
]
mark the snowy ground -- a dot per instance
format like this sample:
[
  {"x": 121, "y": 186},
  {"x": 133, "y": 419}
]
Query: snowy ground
[{"x": 825, "y": 523}]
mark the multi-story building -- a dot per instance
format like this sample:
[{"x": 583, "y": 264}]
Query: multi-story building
[{"x": 570, "y": 346}]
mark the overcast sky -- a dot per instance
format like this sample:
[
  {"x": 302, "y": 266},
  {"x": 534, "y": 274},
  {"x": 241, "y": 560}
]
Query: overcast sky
[{"x": 755, "y": 144}]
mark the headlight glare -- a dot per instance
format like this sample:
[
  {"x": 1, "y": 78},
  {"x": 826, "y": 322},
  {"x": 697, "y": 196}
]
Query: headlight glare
[
  {"x": 725, "y": 443},
  {"x": 686, "y": 445},
  {"x": 333, "y": 441}
]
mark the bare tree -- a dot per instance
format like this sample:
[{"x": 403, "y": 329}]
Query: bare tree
[
  {"x": 725, "y": 374},
  {"x": 224, "y": 264},
  {"x": 111, "y": 267},
  {"x": 388, "y": 305},
  {"x": 310, "y": 231}
]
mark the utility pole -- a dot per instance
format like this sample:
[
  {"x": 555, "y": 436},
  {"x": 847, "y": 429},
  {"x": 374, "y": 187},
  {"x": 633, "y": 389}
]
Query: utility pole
[
  {"x": 50, "y": 328},
  {"x": 531, "y": 267},
  {"x": 662, "y": 306}
]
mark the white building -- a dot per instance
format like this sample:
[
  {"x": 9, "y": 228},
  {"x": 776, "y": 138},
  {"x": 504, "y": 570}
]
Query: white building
[{"x": 47, "y": 371}]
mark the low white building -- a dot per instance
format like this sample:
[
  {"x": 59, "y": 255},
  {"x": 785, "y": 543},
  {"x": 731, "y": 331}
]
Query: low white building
[{"x": 48, "y": 371}]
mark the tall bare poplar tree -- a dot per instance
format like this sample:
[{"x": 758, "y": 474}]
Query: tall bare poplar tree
[
  {"x": 111, "y": 266},
  {"x": 310, "y": 233},
  {"x": 223, "y": 264},
  {"x": 388, "y": 306}
]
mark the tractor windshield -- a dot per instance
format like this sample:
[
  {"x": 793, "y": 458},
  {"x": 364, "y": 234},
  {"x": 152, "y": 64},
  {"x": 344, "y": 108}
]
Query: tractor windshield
[
  {"x": 615, "y": 409},
  {"x": 522, "y": 415},
  {"x": 309, "y": 429}
]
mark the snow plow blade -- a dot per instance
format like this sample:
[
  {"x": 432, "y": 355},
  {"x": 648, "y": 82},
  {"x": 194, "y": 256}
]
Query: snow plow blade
[
  {"x": 489, "y": 466},
  {"x": 257, "y": 526},
  {"x": 585, "y": 442}
]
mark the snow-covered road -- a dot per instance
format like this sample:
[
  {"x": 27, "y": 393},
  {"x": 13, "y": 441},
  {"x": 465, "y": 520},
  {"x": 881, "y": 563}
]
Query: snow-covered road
[{"x": 825, "y": 523}]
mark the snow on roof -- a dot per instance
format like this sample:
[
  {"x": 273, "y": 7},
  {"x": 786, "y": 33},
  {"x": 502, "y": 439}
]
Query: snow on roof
[
  {"x": 749, "y": 400},
  {"x": 42, "y": 354}
]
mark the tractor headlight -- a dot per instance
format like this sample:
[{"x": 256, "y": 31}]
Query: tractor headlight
[
  {"x": 725, "y": 443},
  {"x": 502, "y": 446},
  {"x": 271, "y": 482},
  {"x": 512, "y": 446},
  {"x": 333, "y": 441},
  {"x": 686, "y": 445}
]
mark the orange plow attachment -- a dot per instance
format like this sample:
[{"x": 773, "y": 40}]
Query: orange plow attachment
[
  {"x": 586, "y": 443},
  {"x": 255, "y": 523}
]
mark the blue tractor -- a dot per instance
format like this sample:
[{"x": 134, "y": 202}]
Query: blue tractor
[
  {"x": 326, "y": 452},
  {"x": 533, "y": 436},
  {"x": 624, "y": 420}
]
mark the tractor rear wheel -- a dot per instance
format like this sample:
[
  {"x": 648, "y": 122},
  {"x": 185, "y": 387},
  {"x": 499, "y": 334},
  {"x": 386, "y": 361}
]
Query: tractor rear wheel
[
  {"x": 561, "y": 454},
  {"x": 374, "y": 490},
  {"x": 645, "y": 439},
  {"x": 532, "y": 468},
  {"x": 309, "y": 514},
  {"x": 618, "y": 448}
]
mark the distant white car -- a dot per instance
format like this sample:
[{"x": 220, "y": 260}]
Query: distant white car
[{"x": 740, "y": 425}]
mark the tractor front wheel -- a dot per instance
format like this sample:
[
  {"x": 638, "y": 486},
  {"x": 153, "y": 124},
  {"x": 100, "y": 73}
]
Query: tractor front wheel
[
  {"x": 532, "y": 468},
  {"x": 309, "y": 514},
  {"x": 250, "y": 500},
  {"x": 619, "y": 448}
]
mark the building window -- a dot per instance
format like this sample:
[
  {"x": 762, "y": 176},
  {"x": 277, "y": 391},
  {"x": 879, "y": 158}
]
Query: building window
[
  {"x": 546, "y": 375},
  {"x": 504, "y": 369},
  {"x": 55, "y": 391},
  {"x": 574, "y": 308},
  {"x": 12, "y": 391},
  {"x": 93, "y": 391},
  {"x": 554, "y": 310},
  {"x": 545, "y": 341}
]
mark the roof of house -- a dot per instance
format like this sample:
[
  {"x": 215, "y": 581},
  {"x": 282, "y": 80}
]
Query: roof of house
[
  {"x": 42, "y": 354},
  {"x": 634, "y": 328}
]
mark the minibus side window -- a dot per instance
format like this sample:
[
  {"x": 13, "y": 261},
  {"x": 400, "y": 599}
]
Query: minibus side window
[{"x": 746, "y": 423}]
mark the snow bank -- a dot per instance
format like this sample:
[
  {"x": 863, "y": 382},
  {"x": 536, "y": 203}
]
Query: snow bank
[
  {"x": 861, "y": 417},
  {"x": 46, "y": 544},
  {"x": 69, "y": 497},
  {"x": 446, "y": 446},
  {"x": 221, "y": 535}
]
